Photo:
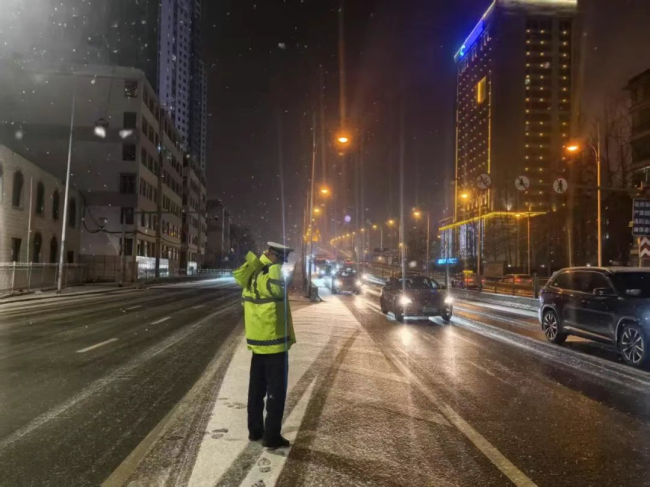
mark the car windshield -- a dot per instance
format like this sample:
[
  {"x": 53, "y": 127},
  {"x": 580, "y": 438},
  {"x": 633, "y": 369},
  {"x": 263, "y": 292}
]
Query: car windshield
[
  {"x": 632, "y": 284},
  {"x": 418, "y": 283},
  {"x": 347, "y": 273}
]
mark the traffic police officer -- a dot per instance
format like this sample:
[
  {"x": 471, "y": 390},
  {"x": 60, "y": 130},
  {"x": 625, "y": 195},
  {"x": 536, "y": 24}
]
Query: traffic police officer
[{"x": 269, "y": 335}]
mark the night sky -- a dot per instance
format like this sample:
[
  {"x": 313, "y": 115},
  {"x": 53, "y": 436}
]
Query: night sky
[{"x": 264, "y": 60}]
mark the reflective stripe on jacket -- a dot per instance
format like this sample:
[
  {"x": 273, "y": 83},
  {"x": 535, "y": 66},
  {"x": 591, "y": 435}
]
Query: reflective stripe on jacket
[{"x": 267, "y": 316}]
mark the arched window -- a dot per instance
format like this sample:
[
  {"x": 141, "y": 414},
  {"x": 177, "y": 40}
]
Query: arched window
[
  {"x": 36, "y": 248},
  {"x": 17, "y": 190},
  {"x": 40, "y": 199},
  {"x": 55, "y": 205},
  {"x": 53, "y": 250},
  {"x": 72, "y": 213}
]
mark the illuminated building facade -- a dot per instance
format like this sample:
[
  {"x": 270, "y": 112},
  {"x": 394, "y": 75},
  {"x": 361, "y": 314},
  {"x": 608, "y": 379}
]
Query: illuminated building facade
[
  {"x": 639, "y": 91},
  {"x": 515, "y": 108}
]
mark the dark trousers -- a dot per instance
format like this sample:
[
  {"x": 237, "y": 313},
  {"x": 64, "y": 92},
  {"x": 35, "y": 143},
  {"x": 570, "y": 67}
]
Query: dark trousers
[{"x": 268, "y": 378}]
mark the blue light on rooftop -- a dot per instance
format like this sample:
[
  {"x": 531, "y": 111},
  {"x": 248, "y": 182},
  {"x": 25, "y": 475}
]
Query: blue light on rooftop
[{"x": 474, "y": 35}]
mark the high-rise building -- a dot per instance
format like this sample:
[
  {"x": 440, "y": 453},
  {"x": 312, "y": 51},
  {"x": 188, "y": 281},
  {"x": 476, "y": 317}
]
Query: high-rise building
[
  {"x": 517, "y": 78},
  {"x": 183, "y": 89},
  {"x": 639, "y": 91},
  {"x": 162, "y": 38}
]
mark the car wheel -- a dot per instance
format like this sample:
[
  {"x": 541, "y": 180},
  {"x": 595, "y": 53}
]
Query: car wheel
[
  {"x": 633, "y": 346},
  {"x": 551, "y": 328},
  {"x": 383, "y": 307},
  {"x": 399, "y": 316},
  {"x": 446, "y": 316}
]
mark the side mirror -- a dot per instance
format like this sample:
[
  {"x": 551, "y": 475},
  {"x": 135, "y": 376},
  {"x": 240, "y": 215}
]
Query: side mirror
[{"x": 603, "y": 291}]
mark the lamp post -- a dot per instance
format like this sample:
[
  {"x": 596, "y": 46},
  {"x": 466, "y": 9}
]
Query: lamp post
[
  {"x": 597, "y": 152},
  {"x": 66, "y": 196},
  {"x": 417, "y": 214},
  {"x": 465, "y": 196},
  {"x": 381, "y": 236},
  {"x": 518, "y": 215}
]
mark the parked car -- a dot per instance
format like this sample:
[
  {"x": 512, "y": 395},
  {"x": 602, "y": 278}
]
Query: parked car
[
  {"x": 608, "y": 304},
  {"x": 517, "y": 279},
  {"x": 466, "y": 280},
  {"x": 416, "y": 296},
  {"x": 346, "y": 280}
]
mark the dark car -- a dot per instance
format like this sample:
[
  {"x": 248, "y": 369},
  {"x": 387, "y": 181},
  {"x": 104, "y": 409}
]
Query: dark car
[
  {"x": 466, "y": 280},
  {"x": 416, "y": 296},
  {"x": 610, "y": 304},
  {"x": 346, "y": 281},
  {"x": 325, "y": 271}
]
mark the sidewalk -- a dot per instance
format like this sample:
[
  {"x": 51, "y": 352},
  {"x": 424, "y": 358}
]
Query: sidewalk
[{"x": 343, "y": 392}]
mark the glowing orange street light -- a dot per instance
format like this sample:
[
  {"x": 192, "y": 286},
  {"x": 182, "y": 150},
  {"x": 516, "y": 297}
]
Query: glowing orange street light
[
  {"x": 464, "y": 196},
  {"x": 324, "y": 191},
  {"x": 374, "y": 227},
  {"x": 316, "y": 211},
  {"x": 417, "y": 213},
  {"x": 573, "y": 148},
  {"x": 391, "y": 222},
  {"x": 343, "y": 139}
]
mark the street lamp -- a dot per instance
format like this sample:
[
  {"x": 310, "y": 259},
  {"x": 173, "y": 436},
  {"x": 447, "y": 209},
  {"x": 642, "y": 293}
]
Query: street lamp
[
  {"x": 325, "y": 191},
  {"x": 465, "y": 195},
  {"x": 417, "y": 214},
  {"x": 574, "y": 148},
  {"x": 343, "y": 139}
]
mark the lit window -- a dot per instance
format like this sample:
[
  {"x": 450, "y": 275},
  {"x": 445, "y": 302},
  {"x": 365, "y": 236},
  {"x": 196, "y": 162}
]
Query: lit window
[{"x": 481, "y": 91}]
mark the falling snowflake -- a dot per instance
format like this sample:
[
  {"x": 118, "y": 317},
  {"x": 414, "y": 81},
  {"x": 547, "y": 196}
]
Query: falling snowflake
[
  {"x": 282, "y": 45},
  {"x": 19, "y": 134}
]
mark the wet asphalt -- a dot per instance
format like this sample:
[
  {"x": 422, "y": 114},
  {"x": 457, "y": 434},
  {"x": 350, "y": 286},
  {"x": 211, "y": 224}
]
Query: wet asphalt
[
  {"x": 391, "y": 404},
  {"x": 70, "y": 418}
]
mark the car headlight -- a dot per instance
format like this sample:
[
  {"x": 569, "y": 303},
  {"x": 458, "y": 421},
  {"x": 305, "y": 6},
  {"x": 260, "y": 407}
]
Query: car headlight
[
  {"x": 338, "y": 282},
  {"x": 449, "y": 300},
  {"x": 405, "y": 301},
  {"x": 358, "y": 283},
  {"x": 366, "y": 277}
]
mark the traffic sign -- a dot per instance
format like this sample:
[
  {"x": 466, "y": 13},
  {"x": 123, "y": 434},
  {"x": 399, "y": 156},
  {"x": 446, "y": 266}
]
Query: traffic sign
[
  {"x": 644, "y": 247},
  {"x": 560, "y": 185},
  {"x": 522, "y": 183},
  {"x": 641, "y": 217},
  {"x": 484, "y": 181}
]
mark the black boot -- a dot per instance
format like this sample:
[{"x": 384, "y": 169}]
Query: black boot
[
  {"x": 255, "y": 436},
  {"x": 278, "y": 442}
]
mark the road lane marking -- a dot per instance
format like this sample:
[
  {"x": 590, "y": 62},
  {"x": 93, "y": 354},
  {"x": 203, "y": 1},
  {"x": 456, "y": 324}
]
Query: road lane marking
[
  {"x": 198, "y": 306},
  {"x": 499, "y": 460},
  {"x": 161, "y": 320},
  {"x": 134, "y": 307},
  {"x": 97, "y": 345},
  {"x": 100, "y": 384}
]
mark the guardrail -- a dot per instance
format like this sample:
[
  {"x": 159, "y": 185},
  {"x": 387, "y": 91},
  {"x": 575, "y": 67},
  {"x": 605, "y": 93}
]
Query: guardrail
[
  {"x": 494, "y": 285},
  {"x": 23, "y": 277}
]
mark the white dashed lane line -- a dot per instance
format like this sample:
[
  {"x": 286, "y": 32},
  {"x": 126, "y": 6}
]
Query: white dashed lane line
[
  {"x": 97, "y": 345},
  {"x": 134, "y": 307},
  {"x": 161, "y": 320}
]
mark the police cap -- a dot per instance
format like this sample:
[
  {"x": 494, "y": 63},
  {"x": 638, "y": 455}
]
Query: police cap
[{"x": 282, "y": 251}]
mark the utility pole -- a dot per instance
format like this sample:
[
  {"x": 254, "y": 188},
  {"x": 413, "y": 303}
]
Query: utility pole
[
  {"x": 66, "y": 196},
  {"x": 123, "y": 249},
  {"x": 480, "y": 229},
  {"x": 311, "y": 200},
  {"x": 600, "y": 223},
  {"x": 161, "y": 148}
]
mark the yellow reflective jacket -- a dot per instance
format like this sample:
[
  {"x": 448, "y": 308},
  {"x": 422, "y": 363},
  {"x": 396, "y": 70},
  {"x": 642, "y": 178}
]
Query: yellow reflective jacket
[{"x": 267, "y": 316}]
